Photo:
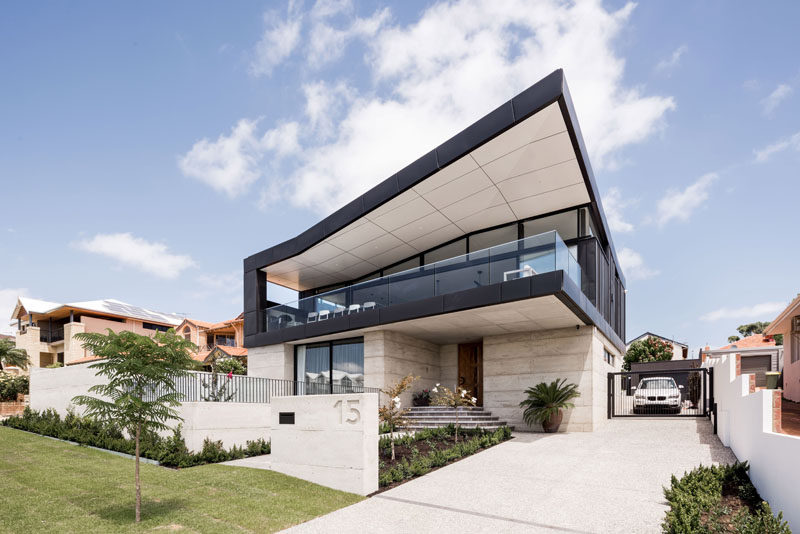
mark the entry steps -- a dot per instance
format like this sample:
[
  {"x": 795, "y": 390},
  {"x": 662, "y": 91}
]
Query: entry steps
[{"x": 422, "y": 417}]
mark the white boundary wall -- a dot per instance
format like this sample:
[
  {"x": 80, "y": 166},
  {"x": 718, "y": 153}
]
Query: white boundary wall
[
  {"x": 233, "y": 423},
  {"x": 746, "y": 422},
  {"x": 333, "y": 440}
]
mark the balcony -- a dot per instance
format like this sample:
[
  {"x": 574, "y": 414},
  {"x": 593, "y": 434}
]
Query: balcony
[
  {"x": 51, "y": 335},
  {"x": 522, "y": 258}
]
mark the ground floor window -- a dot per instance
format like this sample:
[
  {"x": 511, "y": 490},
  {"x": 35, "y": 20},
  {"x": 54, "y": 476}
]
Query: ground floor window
[
  {"x": 608, "y": 357},
  {"x": 330, "y": 367}
]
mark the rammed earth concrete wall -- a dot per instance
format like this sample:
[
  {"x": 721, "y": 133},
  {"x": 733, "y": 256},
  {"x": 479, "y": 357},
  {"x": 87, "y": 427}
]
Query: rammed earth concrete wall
[
  {"x": 390, "y": 356},
  {"x": 514, "y": 362}
]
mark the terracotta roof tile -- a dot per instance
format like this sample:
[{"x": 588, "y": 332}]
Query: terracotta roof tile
[
  {"x": 84, "y": 360},
  {"x": 750, "y": 342}
]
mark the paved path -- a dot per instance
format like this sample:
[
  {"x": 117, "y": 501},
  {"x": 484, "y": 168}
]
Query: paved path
[{"x": 605, "y": 481}]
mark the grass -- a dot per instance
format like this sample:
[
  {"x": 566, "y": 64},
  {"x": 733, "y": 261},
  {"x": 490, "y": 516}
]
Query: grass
[{"x": 49, "y": 486}]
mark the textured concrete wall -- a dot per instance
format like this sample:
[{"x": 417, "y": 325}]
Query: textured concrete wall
[
  {"x": 233, "y": 423},
  {"x": 333, "y": 440},
  {"x": 54, "y": 388},
  {"x": 389, "y": 356},
  {"x": 271, "y": 361},
  {"x": 515, "y": 362}
]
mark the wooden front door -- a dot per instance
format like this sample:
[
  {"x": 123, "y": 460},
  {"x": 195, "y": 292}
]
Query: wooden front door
[{"x": 470, "y": 369}]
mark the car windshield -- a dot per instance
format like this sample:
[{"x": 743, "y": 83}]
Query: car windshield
[{"x": 659, "y": 383}]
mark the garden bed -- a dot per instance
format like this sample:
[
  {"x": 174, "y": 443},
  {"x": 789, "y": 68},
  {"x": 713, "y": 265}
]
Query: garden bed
[
  {"x": 719, "y": 499},
  {"x": 427, "y": 450},
  {"x": 167, "y": 451}
]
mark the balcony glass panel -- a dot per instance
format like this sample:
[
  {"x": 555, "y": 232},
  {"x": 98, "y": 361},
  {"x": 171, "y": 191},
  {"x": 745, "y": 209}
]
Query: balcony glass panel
[{"x": 532, "y": 255}]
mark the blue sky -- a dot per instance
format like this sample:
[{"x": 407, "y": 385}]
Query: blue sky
[{"x": 148, "y": 148}]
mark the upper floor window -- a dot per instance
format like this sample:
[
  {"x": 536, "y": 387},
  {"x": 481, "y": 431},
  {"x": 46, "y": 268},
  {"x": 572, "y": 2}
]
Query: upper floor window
[
  {"x": 491, "y": 238},
  {"x": 566, "y": 224},
  {"x": 187, "y": 334},
  {"x": 795, "y": 347},
  {"x": 157, "y": 327}
]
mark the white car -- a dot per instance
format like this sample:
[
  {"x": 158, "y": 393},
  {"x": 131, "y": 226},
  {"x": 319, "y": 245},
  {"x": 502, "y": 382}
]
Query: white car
[{"x": 655, "y": 394}]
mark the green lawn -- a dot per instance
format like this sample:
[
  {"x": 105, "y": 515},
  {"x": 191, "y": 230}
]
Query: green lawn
[{"x": 46, "y": 485}]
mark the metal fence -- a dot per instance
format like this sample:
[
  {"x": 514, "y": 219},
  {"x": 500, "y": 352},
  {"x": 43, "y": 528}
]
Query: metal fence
[
  {"x": 205, "y": 387},
  {"x": 675, "y": 392}
]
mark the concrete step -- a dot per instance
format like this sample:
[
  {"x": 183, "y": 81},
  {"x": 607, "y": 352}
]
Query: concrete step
[
  {"x": 490, "y": 428},
  {"x": 461, "y": 417},
  {"x": 445, "y": 408}
]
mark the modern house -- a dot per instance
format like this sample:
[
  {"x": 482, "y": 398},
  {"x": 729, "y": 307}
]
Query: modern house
[
  {"x": 680, "y": 351},
  {"x": 46, "y": 330},
  {"x": 215, "y": 340},
  {"x": 760, "y": 355},
  {"x": 788, "y": 324},
  {"x": 487, "y": 263}
]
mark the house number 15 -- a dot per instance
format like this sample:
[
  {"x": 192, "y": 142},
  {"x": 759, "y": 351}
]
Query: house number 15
[{"x": 348, "y": 413}]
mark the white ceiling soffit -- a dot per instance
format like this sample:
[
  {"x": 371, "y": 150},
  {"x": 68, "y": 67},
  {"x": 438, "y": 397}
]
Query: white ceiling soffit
[{"x": 526, "y": 171}]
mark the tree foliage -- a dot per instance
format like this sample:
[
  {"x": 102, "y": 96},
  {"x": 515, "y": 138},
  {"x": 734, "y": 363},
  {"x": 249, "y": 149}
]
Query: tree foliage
[
  {"x": 453, "y": 398},
  {"x": 752, "y": 328},
  {"x": 10, "y": 355},
  {"x": 733, "y": 339},
  {"x": 230, "y": 365},
  {"x": 649, "y": 349},
  {"x": 140, "y": 393},
  {"x": 392, "y": 413}
]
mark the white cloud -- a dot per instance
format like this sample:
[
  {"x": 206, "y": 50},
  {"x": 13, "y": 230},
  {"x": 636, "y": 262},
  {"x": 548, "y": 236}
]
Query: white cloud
[
  {"x": 668, "y": 64},
  {"x": 8, "y": 299},
  {"x": 757, "y": 312},
  {"x": 225, "y": 286},
  {"x": 679, "y": 205},
  {"x": 791, "y": 142},
  {"x": 327, "y": 43},
  {"x": 150, "y": 257},
  {"x": 432, "y": 78},
  {"x": 774, "y": 99},
  {"x": 633, "y": 265},
  {"x": 279, "y": 40},
  {"x": 613, "y": 204}
]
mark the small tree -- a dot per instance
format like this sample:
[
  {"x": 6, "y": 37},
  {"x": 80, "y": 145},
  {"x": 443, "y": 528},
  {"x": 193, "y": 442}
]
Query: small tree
[
  {"x": 649, "y": 349},
  {"x": 140, "y": 394},
  {"x": 392, "y": 414},
  {"x": 10, "y": 355},
  {"x": 453, "y": 398}
]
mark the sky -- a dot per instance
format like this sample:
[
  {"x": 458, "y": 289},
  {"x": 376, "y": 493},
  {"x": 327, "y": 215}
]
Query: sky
[{"x": 148, "y": 147}]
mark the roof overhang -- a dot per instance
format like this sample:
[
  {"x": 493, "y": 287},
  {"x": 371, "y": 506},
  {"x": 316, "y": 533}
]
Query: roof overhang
[
  {"x": 774, "y": 326},
  {"x": 525, "y": 158}
]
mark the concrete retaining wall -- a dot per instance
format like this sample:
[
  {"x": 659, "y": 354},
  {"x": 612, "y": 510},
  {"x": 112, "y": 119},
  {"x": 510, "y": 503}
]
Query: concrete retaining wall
[
  {"x": 232, "y": 423},
  {"x": 331, "y": 440},
  {"x": 748, "y": 422}
]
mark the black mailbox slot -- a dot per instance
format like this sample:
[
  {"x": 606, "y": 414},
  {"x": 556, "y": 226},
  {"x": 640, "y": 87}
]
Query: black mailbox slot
[{"x": 286, "y": 418}]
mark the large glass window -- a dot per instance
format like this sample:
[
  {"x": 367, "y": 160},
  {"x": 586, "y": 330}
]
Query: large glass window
[
  {"x": 456, "y": 248},
  {"x": 331, "y": 367},
  {"x": 566, "y": 224},
  {"x": 406, "y": 265},
  {"x": 491, "y": 238}
]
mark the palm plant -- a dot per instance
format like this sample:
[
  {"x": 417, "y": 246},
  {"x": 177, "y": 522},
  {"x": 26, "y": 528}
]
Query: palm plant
[
  {"x": 10, "y": 355},
  {"x": 545, "y": 402}
]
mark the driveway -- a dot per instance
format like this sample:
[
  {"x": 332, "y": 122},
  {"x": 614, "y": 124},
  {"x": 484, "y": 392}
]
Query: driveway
[{"x": 606, "y": 481}]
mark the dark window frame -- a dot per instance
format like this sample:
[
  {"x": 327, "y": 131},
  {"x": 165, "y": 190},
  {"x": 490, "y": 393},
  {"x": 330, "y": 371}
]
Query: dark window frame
[{"x": 329, "y": 344}]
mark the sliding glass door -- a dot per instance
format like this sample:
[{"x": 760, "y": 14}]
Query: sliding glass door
[{"x": 330, "y": 367}]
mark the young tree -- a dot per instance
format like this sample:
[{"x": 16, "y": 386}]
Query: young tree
[
  {"x": 454, "y": 399},
  {"x": 10, "y": 355},
  {"x": 649, "y": 349},
  {"x": 140, "y": 394},
  {"x": 392, "y": 414}
]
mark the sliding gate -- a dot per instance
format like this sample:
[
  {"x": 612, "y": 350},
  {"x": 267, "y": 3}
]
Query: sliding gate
[{"x": 672, "y": 393}]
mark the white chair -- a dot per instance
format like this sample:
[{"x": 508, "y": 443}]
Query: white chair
[
  {"x": 312, "y": 317},
  {"x": 323, "y": 315},
  {"x": 354, "y": 308},
  {"x": 369, "y": 306},
  {"x": 339, "y": 309},
  {"x": 525, "y": 272}
]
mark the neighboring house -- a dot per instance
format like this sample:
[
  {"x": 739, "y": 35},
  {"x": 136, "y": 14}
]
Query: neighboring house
[
  {"x": 46, "y": 330},
  {"x": 215, "y": 340},
  {"x": 488, "y": 262},
  {"x": 760, "y": 354},
  {"x": 680, "y": 351},
  {"x": 788, "y": 324}
]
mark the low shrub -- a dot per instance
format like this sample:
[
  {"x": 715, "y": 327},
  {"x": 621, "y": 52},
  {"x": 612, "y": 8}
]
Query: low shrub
[
  {"x": 474, "y": 439},
  {"x": 421, "y": 398},
  {"x": 170, "y": 451},
  {"x": 719, "y": 499},
  {"x": 11, "y": 386}
]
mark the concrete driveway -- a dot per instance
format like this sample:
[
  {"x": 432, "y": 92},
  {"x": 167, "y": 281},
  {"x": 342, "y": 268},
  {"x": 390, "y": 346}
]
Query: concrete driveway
[{"x": 607, "y": 481}]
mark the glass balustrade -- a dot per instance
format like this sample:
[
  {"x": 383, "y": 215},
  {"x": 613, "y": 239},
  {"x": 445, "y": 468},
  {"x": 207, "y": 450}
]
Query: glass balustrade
[{"x": 518, "y": 259}]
